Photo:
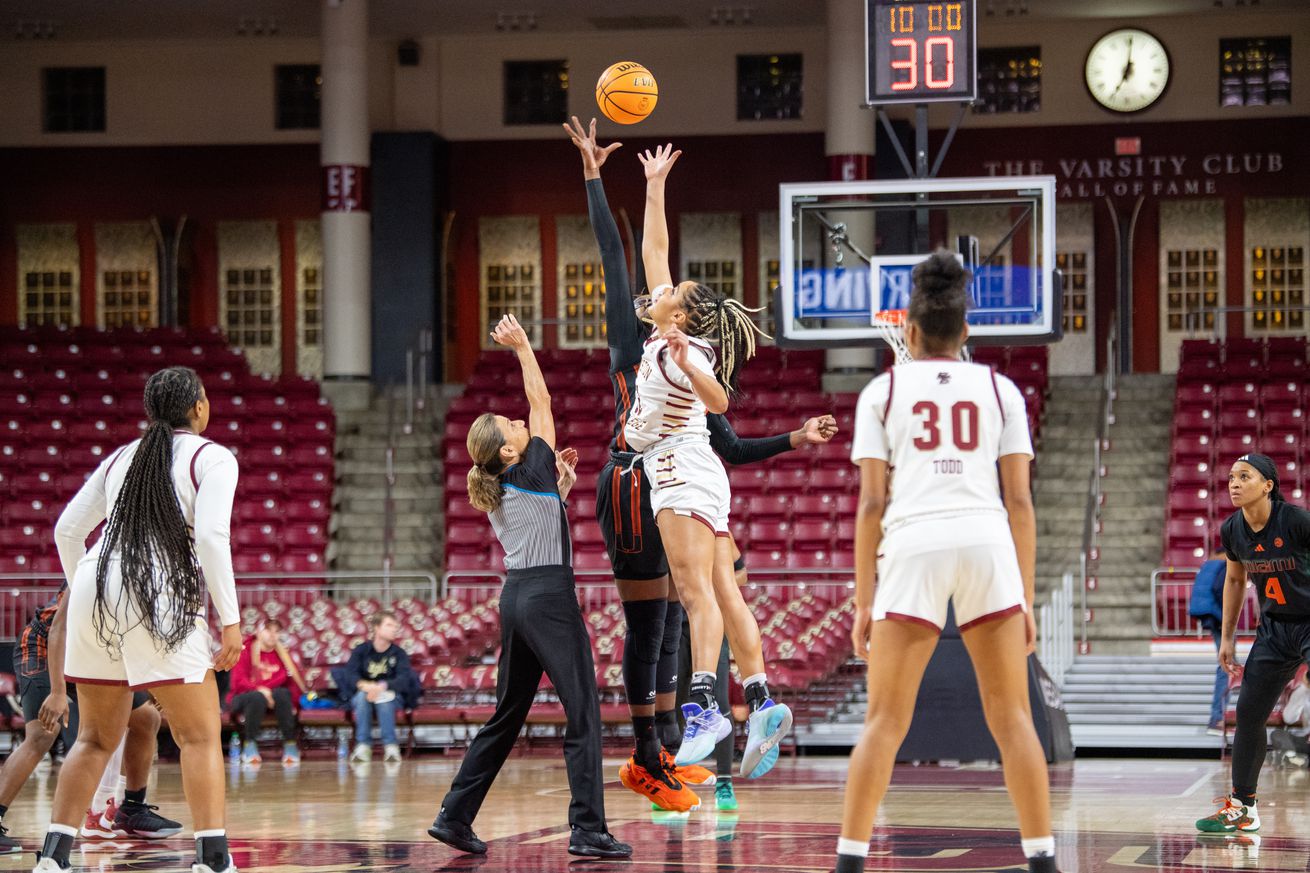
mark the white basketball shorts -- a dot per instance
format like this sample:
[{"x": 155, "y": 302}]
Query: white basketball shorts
[
  {"x": 968, "y": 560},
  {"x": 134, "y": 659},
  {"x": 689, "y": 479}
]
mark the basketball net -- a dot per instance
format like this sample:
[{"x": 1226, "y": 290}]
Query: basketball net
[{"x": 890, "y": 324}]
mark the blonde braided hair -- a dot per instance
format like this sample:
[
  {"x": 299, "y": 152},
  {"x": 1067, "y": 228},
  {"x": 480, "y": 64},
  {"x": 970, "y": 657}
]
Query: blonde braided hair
[{"x": 713, "y": 315}]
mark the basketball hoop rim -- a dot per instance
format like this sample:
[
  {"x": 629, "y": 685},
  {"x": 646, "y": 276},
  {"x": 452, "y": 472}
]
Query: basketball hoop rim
[{"x": 892, "y": 317}]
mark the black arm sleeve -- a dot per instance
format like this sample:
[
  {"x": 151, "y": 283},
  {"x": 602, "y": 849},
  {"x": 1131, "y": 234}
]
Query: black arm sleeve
[
  {"x": 624, "y": 330},
  {"x": 735, "y": 450}
]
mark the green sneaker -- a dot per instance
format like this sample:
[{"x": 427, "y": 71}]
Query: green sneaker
[
  {"x": 725, "y": 799},
  {"x": 1231, "y": 817}
]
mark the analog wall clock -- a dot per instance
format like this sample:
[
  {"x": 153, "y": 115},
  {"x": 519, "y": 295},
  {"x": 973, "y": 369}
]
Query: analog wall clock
[{"x": 1127, "y": 70}]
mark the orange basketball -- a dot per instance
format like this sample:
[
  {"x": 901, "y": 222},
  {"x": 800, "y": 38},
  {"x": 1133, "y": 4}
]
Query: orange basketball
[{"x": 626, "y": 92}]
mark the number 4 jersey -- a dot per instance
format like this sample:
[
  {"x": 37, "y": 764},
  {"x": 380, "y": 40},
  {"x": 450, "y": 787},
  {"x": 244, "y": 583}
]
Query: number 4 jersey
[
  {"x": 941, "y": 425},
  {"x": 1277, "y": 558}
]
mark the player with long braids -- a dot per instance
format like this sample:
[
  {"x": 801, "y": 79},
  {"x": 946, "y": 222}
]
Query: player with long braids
[
  {"x": 137, "y": 607},
  {"x": 679, "y": 383},
  {"x": 632, "y": 539}
]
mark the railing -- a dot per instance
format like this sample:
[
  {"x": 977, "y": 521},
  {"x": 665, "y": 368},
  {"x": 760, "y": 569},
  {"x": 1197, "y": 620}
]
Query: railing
[
  {"x": 1171, "y": 591},
  {"x": 1090, "y": 552},
  {"x": 20, "y": 598},
  {"x": 1056, "y": 632},
  {"x": 596, "y": 587}
]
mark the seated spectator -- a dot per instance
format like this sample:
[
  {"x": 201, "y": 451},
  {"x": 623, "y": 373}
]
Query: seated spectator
[
  {"x": 1207, "y": 606},
  {"x": 1290, "y": 740},
  {"x": 264, "y": 678},
  {"x": 380, "y": 678}
]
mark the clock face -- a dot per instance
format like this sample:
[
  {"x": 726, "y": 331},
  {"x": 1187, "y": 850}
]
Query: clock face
[{"x": 1127, "y": 70}]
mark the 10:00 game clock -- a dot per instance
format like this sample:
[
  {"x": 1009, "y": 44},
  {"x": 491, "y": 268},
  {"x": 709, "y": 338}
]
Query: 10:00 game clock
[{"x": 920, "y": 52}]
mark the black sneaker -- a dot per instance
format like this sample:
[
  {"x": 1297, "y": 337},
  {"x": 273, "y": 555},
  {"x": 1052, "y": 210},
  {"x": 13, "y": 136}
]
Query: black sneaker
[
  {"x": 141, "y": 820},
  {"x": 597, "y": 844},
  {"x": 8, "y": 845},
  {"x": 457, "y": 835},
  {"x": 1042, "y": 864}
]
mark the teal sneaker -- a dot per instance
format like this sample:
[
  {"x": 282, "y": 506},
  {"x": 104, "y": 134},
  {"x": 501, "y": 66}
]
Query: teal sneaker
[
  {"x": 764, "y": 731},
  {"x": 725, "y": 799}
]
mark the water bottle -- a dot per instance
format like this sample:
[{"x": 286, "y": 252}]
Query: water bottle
[
  {"x": 234, "y": 746},
  {"x": 343, "y": 746}
]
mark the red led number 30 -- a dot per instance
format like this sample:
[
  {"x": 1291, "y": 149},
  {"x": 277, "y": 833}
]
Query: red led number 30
[
  {"x": 910, "y": 63},
  {"x": 964, "y": 425}
]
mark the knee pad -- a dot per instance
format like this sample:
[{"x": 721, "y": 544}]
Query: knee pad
[
  {"x": 666, "y": 677},
  {"x": 641, "y": 649}
]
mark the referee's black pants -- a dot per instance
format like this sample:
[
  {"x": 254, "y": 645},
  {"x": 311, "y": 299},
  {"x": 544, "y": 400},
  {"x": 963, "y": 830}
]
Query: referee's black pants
[
  {"x": 541, "y": 629},
  {"x": 1280, "y": 647}
]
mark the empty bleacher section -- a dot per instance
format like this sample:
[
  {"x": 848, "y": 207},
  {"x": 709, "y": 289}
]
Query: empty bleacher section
[
  {"x": 70, "y": 396},
  {"x": 1233, "y": 397}
]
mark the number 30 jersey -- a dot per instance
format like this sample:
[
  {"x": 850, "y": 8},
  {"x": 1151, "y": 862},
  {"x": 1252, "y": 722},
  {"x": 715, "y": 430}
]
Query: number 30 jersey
[{"x": 941, "y": 425}]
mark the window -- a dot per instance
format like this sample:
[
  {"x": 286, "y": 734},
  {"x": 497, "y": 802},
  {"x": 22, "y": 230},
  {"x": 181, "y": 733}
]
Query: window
[
  {"x": 512, "y": 289},
  {"x": 768, "y": 87},
  {"x": 299, "y": 94},
  {"x": 1009, "y": 80},
  {"x": 129, "y": 299},
  {"x": 74, "y": 99},
  {"x": 719, "y": 275},
  {"x": 1192, "y": 289},
  {"x": 536, "y": 92},
  {"x": 48, "y": 298},
  {"x": 582, "y": 306},
  {"x": 1278, "y": 288},
  {"x": 1073, "y": 269},
  {"x": 251, "y": 319},
  {"x": 312, "y": 288},
  {"x": 1255, "y": 71}
]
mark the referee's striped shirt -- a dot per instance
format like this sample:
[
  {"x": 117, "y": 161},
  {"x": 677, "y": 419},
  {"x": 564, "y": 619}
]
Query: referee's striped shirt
[{"x": 531, "y": 522}]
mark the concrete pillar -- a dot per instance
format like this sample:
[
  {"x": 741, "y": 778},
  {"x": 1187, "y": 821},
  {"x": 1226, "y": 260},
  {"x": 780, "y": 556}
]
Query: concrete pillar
[
  {"x": 344, "y": 154},
  {"x": 849, "y": 143}
]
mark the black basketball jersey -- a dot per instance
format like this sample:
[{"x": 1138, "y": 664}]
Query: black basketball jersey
[{"x": 1277, "y": 559}]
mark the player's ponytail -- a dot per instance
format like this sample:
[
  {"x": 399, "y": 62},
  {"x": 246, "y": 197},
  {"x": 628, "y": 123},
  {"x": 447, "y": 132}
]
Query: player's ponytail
[
  {"x": 940, "y": 300},
  {"x": 147, "y": 532},
  {"x": 714, "y": 316},
  {"x": 484, "y": 444}
]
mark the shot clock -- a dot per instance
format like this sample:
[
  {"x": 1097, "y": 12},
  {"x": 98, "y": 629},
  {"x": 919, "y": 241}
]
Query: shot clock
[{"x": 920, "y": 52}]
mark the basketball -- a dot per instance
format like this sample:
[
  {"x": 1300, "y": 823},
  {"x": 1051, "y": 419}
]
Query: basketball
[{"x": 626, "y": 92}]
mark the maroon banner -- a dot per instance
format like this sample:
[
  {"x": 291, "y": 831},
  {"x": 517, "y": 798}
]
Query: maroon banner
[
  {"x": 848, "y": 168},
  {"x": 345, "y": 188}
]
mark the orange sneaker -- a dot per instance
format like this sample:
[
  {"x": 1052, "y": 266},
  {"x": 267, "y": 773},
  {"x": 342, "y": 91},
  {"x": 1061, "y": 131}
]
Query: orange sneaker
[
  {"x": 664, "y": 789},
  {"x": 692, "y": 774}
]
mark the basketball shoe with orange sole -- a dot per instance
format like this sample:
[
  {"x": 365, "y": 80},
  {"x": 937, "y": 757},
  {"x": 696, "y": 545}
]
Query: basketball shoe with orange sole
[{"x": 664, "y": 789}]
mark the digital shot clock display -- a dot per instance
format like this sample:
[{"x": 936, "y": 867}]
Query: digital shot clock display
[{"x": 920, "y": 52}]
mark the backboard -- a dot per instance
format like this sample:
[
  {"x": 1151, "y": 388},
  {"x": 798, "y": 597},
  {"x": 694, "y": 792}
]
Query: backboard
[{"x": 847, "y": 249}]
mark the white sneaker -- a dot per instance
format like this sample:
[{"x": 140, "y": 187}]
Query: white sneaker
[
  {"x": 48, "y": 865},
  {"x": 705, "y": 728},
  {"x": 362, "y": 754},
  {"x": 391, "y": 753},
  {"x": 764, "y": 731}
]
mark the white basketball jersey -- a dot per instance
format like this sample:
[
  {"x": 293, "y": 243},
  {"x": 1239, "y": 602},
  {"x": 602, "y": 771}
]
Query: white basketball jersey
[
  {"x": 666, "y": 405},
  {"x": 941, "y": 425}
]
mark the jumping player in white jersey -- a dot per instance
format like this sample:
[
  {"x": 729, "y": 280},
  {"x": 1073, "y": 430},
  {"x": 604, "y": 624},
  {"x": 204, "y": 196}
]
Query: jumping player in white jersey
[
  {"x": 940, "y": 525},
  {"x": 136, "y": 608},
  {"x": 680, "y": 380}
]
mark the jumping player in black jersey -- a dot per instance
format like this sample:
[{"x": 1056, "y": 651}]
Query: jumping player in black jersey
[
  {"x": 623, "y": 510},
  {"x": 1268, "y": 540}
]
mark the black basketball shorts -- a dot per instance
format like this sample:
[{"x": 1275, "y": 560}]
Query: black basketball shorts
[{"x": 623, "y": 512}]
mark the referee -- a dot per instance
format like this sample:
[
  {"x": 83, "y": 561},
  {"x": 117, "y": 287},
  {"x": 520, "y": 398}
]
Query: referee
[{"x": 518, "y": 479}]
